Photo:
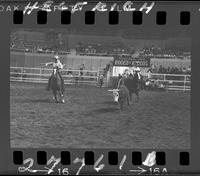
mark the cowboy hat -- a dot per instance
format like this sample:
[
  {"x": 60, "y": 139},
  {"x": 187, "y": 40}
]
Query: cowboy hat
[{"x": 56, "y": 57}]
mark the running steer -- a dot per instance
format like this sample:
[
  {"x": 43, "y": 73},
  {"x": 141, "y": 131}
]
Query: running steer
[{"x": 121, "y": 96}]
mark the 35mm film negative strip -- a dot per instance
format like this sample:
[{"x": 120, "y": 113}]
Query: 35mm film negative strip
[{"x": 99, "y": 87}]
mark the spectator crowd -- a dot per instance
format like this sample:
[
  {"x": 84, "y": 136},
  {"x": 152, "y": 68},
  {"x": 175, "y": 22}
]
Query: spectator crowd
[
  {"x": 108, "y": 50},
  {"x": 170, "y": 70},
  {"x": 81, "y": 48}
]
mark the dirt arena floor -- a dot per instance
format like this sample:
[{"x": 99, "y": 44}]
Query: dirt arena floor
[{"x": 90, "y": 119}]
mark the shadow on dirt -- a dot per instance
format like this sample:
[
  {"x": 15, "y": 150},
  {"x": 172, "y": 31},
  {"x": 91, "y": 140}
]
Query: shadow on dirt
[
  {"x": 101, "y": 111},
  {"x": 106, "y": 110},
  {"x": 109, "y": 103},
  {"x": 41, "y": 101}
]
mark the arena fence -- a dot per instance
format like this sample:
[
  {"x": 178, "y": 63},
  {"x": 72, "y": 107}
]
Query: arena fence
[
  {"x": 173, "y": 81},
  {"x": 41, "y": 75}
]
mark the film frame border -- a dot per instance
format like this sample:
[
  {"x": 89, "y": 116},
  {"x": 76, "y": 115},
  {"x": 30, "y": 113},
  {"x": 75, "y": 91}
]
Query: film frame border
[{"x": 194, "y": 130}]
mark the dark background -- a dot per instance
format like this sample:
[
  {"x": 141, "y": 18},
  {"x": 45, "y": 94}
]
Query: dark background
[{"x": 172, "y": 27}]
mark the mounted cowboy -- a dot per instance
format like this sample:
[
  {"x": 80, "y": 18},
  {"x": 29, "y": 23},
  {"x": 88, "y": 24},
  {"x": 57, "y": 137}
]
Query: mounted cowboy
[
  {"x": 138, "y": 70},
  {"x": 121, "y": 81},
  {"x": 123, "y": 93},
  {"x": 57, "y": 65}
]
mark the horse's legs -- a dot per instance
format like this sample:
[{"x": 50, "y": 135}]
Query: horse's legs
[
  {"x": 128, "y": 101},
  {"x": 121, "y": 105},
  {"x": 62, "y": 97},
  {"x": 62, "y": 86},
  {"x": 55, "y": 96},
  {"x": 130, "y": 96},
  {"x": 137, "y": 94}
]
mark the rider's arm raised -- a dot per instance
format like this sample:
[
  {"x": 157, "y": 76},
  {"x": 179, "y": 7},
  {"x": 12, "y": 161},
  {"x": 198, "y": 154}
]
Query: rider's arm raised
[{"x": 49, "y": 63}]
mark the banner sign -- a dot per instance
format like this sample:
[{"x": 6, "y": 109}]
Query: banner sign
[{"x": 130, "y": 62}]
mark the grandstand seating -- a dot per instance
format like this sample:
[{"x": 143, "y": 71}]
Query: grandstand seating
[{"x": 98, "y": 45}]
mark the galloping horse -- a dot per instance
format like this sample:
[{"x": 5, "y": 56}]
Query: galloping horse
[{"x": 56, "y": 86}]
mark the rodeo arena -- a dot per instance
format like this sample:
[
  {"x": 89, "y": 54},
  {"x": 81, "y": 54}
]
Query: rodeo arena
[{"x": 74, "y": 90}]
